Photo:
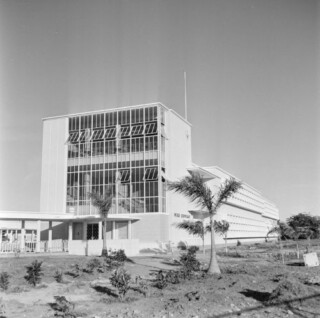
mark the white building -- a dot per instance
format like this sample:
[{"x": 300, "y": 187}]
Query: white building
[{"x": 130, "y": 152}]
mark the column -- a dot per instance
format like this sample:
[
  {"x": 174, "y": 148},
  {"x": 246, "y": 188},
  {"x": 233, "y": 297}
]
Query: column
[
  {"x": 129, "y": 230},
  {"x": 0, "y": 240},
  {"x": 38, "y": 236},
  {"x": 70, "y": 231},
  {"x": 23, "y": 233},
  {"x": 50, "y": 237},
  {"x": 100, "y": 231},
  {"x": 84, "y": 230},
  {"x": 113, "y": 230}
]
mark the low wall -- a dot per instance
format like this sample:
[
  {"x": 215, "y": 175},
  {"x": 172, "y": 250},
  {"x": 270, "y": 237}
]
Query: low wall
[{"x": 94, "y": 247}]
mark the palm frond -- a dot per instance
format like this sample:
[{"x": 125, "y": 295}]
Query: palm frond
[
  {"x": 226, "y": 190},
  {"x": 195, "y": 189},
  {"x": 102, "y": 202},
  {"x": 194, "y": 228},
  {"x": 221, "y": 227}
]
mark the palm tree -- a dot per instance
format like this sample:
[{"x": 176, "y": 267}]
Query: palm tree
[
  {"x": 195, "y": 188},
  {"x": 284, "y": 231},
  {"x": 222, "y": 228},
  {"x": 103, "y": 203},
  {"x": 196, "y": 228}
]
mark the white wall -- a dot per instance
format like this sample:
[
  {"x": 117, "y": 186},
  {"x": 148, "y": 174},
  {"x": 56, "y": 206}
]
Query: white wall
[
  {"x": 178, "y": 159},
  {"x": 54, "y": 165},
  {"x": 94, "y": 247}
]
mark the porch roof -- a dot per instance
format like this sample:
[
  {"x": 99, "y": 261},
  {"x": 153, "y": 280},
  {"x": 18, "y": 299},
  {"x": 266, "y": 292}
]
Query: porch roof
[{"x": 35, "y": 216}]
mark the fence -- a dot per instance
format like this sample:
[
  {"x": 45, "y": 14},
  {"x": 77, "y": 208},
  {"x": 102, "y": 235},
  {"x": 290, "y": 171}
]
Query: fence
[{"x": 31, "y": 247}]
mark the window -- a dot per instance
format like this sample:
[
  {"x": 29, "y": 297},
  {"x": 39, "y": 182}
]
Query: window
[
  {"x": 73, "y": 137},
  {"x": 110, "y": 133},
  {"x": 137, "y": 130},
  {"x": 151, "y": 174},
  {"x": 151, "y": 114},
  {"x": 97, "y": 134},
  {"x": 150, "y": 128},
  {"x": 137, "y": 116},
  {"x": 123, "y": 176},
  {"x": 92, "y": 231},
  {"x": 122, "y": 229},
  {"x": 124, "y": 131},
  {"x": 111, "y": 119}
]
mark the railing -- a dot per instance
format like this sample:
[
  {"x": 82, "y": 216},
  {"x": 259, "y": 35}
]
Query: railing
[{"x": 31, "y": 247}]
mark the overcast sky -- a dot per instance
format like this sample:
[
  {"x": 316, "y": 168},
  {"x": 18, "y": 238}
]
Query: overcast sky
[{"x": 253, "y": 83}]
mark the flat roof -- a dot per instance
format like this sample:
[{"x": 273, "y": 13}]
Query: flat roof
[{"x": 117, "y": 109}]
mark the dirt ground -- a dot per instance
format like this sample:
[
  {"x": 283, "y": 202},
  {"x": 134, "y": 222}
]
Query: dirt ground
[{"x": 253, "y": 283}]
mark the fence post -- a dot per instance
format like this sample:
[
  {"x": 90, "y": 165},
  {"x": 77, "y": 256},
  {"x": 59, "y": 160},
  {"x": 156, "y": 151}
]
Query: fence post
[
  {"x": 23, "y": 233},
  {"x": 38, "y": 236},
  {"x": 50, "y": 237}
]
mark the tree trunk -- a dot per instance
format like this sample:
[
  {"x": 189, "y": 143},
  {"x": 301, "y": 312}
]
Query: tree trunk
[
  {"x": 281, "y": 250},
  {"x": 213, "y": 265},
  {"x": 226, "y": 244},
  {"x": 203, "y": 250},
  {"x": 104, "y": 238}
]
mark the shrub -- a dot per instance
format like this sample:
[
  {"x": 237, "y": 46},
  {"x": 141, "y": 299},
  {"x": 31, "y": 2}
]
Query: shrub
[
  {"x": 4, "y": 280},
  {"x": 119, "y": 256},
  {"x": 110, "y": 264},
  {"x": 76, "y": 270},
  {"x": 92, "y": 265},
  {"x": 161, "y": 281},
  {"x": 58, "y": 276},
  {"x": 189, "y": 262},
  {"x": 63, "y": 307},
  {"x": 238, "y": 243},
  {"x": 120, "y": 279},
  {"x": 34, "y": 273},
  {"x": 172, "y": 277}
]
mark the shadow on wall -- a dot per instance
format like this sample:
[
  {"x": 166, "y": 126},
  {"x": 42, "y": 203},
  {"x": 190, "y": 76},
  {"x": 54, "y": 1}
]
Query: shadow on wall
[{"x": 59, "y": 231}]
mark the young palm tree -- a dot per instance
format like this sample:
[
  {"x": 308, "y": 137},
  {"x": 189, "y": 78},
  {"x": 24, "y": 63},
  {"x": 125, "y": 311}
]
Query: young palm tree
[
  {"x": 222, "y": 228},
  {"x": 196, "y": 228},
  {"x": 103, "y": 203},
  {"x": 195, "y": 188},
  {"x": 284, "y": 232}
]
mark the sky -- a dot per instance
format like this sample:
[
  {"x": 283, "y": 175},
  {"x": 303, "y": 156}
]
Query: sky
[{"x": 252, "y": 83}]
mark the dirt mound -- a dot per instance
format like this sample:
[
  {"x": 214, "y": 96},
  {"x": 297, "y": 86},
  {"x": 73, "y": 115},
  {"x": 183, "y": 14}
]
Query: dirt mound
[{"x": 290, "y": 290}]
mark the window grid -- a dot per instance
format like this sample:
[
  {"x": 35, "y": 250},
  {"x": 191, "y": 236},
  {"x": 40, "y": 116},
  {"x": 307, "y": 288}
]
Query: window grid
[{"x": 95, "y": 136}]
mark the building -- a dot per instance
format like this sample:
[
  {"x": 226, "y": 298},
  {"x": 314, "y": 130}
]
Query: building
[{"x": 132, "y": 152}]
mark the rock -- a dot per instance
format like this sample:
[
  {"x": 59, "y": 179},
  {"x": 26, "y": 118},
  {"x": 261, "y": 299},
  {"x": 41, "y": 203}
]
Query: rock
[{"x": 290, "y": 312}]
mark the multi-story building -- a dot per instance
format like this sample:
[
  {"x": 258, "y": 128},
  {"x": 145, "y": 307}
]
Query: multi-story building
[{"x": 131, "y": 153}]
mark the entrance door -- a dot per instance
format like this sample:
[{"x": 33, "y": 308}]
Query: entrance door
[{"x": 93, "y": 231}]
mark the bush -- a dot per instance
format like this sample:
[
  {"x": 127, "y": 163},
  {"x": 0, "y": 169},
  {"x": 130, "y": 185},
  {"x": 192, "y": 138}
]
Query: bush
[
  {"x": 238, "y": 243},
  {"x": 4, "y": 280},
  {"x": 120, "y": 279},
  {"x": 92, "y": 265},
  {"x": 34, "y": 273},
  {"x": 161, "y": 281},
  {"x": 119, "y": 256},
  {"x": 76, "y": 270},
  {"x": 189, "y": 262},
  {"x": 172, "y": 277},
  {"x": 63, "y": 307},
  {"x": 58, "y": 276}
]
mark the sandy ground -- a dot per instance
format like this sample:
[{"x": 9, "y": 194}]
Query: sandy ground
[{"x": 254, "y": 283}]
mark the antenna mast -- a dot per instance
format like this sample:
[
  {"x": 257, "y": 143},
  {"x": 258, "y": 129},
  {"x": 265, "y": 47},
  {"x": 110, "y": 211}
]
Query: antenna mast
[{"x": 185, "y": 96}]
